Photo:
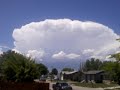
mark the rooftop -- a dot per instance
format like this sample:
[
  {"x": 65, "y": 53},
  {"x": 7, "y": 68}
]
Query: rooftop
[
  {"x": 66, "y": 72},
  {"x": 93, "y": 72}
]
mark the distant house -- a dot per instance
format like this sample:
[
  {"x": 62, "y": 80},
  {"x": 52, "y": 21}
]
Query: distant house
[
  {"x": 65, "y": 75},
  {"x": 73, "y": 76},
  {"x": 96, "y": 76}
]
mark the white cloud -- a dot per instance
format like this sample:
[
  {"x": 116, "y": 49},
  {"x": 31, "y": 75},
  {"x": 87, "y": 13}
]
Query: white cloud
[
  {"x": 60, "y": 55},
  {"x": 88, "y": 51},
  {"x": 117, "y": 51},
  {"x": 108, "y": 58},
  {"x": 1, "y": 51},
  {"x": 63, "y": 55},
  {"x": 89, "y": 39},
  {"x": 35, "y": 54},
  {"x": 4, "y": 48},
  {"x": 15, "y": 50},
  {"x": 73, "y": 56}
]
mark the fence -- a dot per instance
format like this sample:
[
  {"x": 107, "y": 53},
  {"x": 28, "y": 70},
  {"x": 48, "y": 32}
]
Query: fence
[{"x": 24, "y": 86}]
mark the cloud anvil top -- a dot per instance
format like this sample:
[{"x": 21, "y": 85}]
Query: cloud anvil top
[{"x": 65, "y": 39}]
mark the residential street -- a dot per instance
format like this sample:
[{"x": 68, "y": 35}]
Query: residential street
[
  {"x": 79, "y": 88},
  {"x": 84, "y": 88}
]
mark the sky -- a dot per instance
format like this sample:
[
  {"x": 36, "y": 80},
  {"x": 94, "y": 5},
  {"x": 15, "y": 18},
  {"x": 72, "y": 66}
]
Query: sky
[{"x": 40, "y": 28}]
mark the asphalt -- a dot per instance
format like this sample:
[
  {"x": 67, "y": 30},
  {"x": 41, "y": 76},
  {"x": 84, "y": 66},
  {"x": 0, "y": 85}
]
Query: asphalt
[
  {"x": 84, "y": 88},
  {"x": 81, "y": 88},
  {"x": 78, "y": 87}
]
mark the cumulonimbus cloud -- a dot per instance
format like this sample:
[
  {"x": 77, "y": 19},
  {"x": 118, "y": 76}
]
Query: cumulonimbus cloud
[
  {"x": 36, "y": 54},
  {"x": 87, "y": 39}
]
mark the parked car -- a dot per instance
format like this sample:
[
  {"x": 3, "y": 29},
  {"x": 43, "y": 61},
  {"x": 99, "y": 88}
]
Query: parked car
[{"x": 61, "y": 86}]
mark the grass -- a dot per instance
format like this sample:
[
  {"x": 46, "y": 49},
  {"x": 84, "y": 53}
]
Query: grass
[
  {"x": 96, "y": 85},
  {"x": 113, "y": 89}
]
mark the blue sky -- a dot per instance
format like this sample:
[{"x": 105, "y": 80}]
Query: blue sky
[{"x": 17, "y": 13}]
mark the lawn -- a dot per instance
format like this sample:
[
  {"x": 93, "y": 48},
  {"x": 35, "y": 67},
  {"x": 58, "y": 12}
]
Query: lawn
[
  {"x": 113, "y": 89},
  {"x": 96, "y": 85}
]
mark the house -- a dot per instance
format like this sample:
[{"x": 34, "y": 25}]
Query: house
[
  {"x": 96, "y": 76},
  {"x": 73, "y": 76},
  {"x": 66, "y": 75}
]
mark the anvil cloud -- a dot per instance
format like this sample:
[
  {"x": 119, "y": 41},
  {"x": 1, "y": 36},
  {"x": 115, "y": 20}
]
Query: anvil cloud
[{"x": 65, "y": 39}]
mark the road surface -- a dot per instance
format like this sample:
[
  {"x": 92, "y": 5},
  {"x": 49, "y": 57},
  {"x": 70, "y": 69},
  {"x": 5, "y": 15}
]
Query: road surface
[
  {"x": 79, "y": 88},
  {"x": 85, "y": 88}
]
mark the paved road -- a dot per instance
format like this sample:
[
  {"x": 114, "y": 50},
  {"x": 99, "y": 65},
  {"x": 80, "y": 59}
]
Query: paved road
[
  {"x": 84, "y": 88},
  {"x": 79, "y": 88}
]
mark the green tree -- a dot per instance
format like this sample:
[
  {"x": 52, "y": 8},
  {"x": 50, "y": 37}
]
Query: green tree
[
  {"x": 116, "y": 67},
  {"x": 54, "y": 71},
  {"x": 19, "y": 68},
  {"x": 42, "y": 69},
  {"x": 92, "y": 64},
  {"x": 68, "y": 69},
  {"x": 113, "y": 67},
  {"x": 108, "y": 67}
]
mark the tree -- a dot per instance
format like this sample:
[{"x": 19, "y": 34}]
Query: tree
[
  {"x": 68, "y": 69},
  {"x": 116, "y": 67},
  {"x": 19, "y": 68},
  {"x": 54, "y": 71},
  {"x": 42, "y": 69},
  {"x": 109, "y": 67},
  {"x": 113, "y": 67},
  {"x": 92, "y": 64}
]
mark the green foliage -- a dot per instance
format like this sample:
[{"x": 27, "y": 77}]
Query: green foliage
[
  {"x": 116, "y": 68},
  {"x": 68, "y": 69},
  {"x": 17, "y": 67},
  {"x": 42, "y": 69},
  {"x": 113, "y": 68},
  {"x": 92, "y": 64},
  {"x": 116, "y": 56},
  {"x": 54, "y": 71},
  {"x": 109, "y": 67}
]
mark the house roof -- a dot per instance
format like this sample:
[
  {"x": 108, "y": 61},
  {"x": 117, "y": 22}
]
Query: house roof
[
  {"x": 93, "y": 72},
  {"x": 66, "y": 72}
]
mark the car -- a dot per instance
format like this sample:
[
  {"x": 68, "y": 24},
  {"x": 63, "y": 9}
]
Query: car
[{"x": 61, "y": 86}]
